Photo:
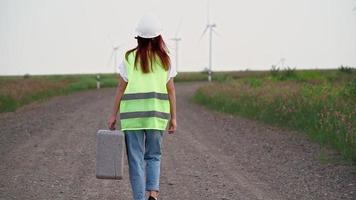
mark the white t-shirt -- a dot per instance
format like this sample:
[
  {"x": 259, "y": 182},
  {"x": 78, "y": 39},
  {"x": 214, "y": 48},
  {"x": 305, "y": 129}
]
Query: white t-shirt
[{"x": 123, "y": 73}]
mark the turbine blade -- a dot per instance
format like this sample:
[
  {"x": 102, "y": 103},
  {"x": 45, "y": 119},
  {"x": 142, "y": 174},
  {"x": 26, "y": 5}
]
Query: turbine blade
[
  {"x": 217, "y": 33},
  {"x": 206, "y": 28},
  {"x": 111, "y": 41},
  {"x": 169, "y": 46},
  {"x": 208, "y": 11},
  {"x": 178, "y": 28},
  {"x": 111, "y": 58},
  {"x": 119, "y": 46}
]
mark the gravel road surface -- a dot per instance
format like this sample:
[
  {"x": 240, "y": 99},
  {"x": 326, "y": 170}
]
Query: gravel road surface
[{"x": 48, "y": 152}]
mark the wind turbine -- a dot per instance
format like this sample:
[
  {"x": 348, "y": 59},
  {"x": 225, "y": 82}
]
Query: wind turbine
[
  {"x": 113, "y": 56},
  {"x": 283, "y": 60},
  {"x": 210, "y": 27},
  {"x": 114, "y": 51},
  {"x": 176, "y": 40},
  {"x": 281, "y": 63}
]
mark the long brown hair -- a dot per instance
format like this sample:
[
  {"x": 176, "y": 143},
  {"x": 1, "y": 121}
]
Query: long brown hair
[{"x": 148, "y": 49}]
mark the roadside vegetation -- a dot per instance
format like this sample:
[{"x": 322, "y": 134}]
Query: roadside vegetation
[
  {"x": 321, "y": 103},
  {"x": 16, "y": 91}
]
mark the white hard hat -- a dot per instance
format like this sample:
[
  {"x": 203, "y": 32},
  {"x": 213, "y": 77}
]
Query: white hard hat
[{"x": 149, "y": 26}]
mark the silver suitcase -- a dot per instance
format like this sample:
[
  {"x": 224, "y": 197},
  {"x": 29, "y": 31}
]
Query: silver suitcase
[{"x": 110, "y": 148}]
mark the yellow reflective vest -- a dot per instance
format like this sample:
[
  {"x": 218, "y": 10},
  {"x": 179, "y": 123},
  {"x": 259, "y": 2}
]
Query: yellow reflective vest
[{"x": 145, "y": 103}]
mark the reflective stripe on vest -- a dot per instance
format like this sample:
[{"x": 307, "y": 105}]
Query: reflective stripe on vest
[
  {"x": 146, "y": 95},
  {"x": 144, "y": 104},
  {"x": 128, "y": 115}
]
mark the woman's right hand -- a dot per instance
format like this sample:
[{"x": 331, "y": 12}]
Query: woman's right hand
[
  {"x": 112, "y": 122},
  {"x": 172, "y": 126}
]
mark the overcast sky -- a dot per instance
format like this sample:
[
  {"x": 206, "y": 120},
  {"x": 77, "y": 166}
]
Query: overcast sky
[{"x": 73, "y": 36}]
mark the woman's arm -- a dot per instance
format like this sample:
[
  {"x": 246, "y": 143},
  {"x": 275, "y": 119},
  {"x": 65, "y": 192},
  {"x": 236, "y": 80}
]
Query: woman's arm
[
  {"x": 119, "y": 93},
  {"x": 172, "y": 101}
]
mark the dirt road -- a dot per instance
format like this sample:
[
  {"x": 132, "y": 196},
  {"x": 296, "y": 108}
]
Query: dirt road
[{"x": 48, "y": 152}]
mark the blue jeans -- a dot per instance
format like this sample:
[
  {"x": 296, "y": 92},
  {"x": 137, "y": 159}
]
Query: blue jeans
[{"x": 143, "y": 149}]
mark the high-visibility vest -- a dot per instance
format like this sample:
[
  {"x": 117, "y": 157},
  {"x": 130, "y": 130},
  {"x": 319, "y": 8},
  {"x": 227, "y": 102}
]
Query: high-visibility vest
[{"x": 145, "y": 103}]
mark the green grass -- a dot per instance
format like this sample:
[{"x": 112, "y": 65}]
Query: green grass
[
  {"x": 320, "y": 103},
  {"x": 16, "y": 91},
  {"x": 216, "y": 76}
]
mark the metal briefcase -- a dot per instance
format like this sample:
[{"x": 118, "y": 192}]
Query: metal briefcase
[{"x": 110, "y": 147}]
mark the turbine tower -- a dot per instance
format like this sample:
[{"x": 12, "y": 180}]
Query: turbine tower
[
  {"x": 211, "y": 27},
  {"x": 176, "y": 40}
]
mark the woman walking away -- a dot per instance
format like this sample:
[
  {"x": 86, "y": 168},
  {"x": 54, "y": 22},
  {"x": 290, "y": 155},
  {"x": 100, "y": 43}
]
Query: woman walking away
[{"x": 146, "y": 100}]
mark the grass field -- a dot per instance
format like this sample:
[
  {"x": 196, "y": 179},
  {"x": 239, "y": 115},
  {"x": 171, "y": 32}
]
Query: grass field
[
  {"x": 16, "y": 91},
  {"x": 319, "y": 103}
]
